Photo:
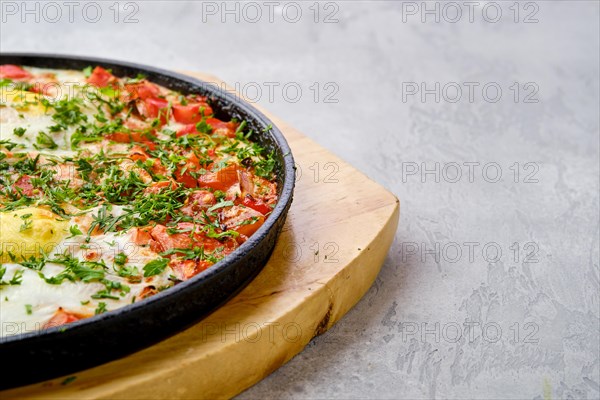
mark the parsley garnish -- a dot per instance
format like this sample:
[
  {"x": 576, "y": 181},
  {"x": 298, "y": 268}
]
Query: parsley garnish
[
  {"x": 45, "y": 141},
  {"x": 155, "y": 267},
  {"x": 8, "y": 145},
  {"x": 87, "y": 71},
  {"x": 264, "y": 168},
  {"x": 101, "y": 309},
  {"x": 120, "y": 259},
  {"x": 203, "y": 127},
  {"x": 75, "y": 231},
  {"x": 221, "y": 204},
  {"x": 19, "y": 131},
  {"x": 16, "y": 279}
]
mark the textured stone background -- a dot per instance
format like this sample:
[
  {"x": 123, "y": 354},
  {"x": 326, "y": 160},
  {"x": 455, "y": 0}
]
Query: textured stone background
[{"x": 440, "y": 321}]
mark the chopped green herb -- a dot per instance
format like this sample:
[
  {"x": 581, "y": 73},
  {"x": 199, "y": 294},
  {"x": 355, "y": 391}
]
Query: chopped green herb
[
  {"x": 26, "y": 226},
  {"x": 120, "y": 259},
  {"x": 155, "y": 267},
  {"x": 221, "y": 204},
  {"x": 87, "y": 71},
  {"x": 15, "y": 280},
  {"x": 19, "y": 131},
  {"x": 203, "y": 127},
  {"x": 45, "y": 141},
  {"x": 75, "y": 231},
  {"x": 101, "y": 309}
]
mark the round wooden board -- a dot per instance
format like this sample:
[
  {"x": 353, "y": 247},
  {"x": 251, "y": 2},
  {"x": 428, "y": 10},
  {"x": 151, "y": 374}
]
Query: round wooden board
[{"x": 335, "y": 240}]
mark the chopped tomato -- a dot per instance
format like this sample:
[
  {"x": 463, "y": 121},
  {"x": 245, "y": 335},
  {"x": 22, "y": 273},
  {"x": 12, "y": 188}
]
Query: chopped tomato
[
  {"x": 46, "y": 84},
  {"x": 158, "y": 168},
  {"x": 184, "y": 177},
  {"x": 191, "y": 113},
  {"x": 91, "y": 255},
  {"x": 256, "y": 204},
  {"x": 184, "y": 173},
  {"x": 243, "y": 220},
  {"x": 10, "y": 71},
  {"x": 157, "y": 187},
  {"x": 155, "y": 107},
  {"x": 141, "y": 90},
  {"x": 148, "y": 144},
  {"x": 133, "y": 136},
  {"x": 61, "y": 317},
  {"x": 198, "y": 201},
  {"x": 138, "y": 153},
  {"x": 218, "y": 127},
  {"x": 194, "y": 98},
  {"x": 47, "y": 89},
  {"x": 187, "y": 236},
  {"x": 222, "y": 128},
  {"x": 140, "y": 236},
  {"x": 147, "y": 292},
  {"x": 173, "y": 241},
  {"x": 187, "y": 130},
  {"x": 185, "y": 269},
  {"x": 209, "y": 244},
  {"x": 155, "y": 246},
  {"x": 120, "y": 137},
  {"x": 25, "y": 185},
  {"x": 100, "y": 77},
  {"x": 223, "y": 179}
]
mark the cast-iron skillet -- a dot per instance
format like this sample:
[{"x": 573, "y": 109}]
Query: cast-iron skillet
[{"x": 35, "y": 356}]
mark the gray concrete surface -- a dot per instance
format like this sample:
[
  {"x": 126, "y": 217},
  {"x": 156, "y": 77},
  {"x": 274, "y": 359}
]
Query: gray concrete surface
[{"x": 491, "y": 288}]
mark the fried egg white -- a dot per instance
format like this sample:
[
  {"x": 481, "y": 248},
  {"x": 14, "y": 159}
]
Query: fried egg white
[{"x": 29, "y": 306}]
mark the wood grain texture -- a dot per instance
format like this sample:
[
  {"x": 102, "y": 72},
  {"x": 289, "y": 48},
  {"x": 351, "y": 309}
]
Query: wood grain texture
[{"x": 335, "y": 240}]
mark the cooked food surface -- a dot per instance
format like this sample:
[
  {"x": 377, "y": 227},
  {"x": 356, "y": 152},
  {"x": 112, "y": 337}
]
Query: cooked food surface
[{"x": 113, "y": 189}]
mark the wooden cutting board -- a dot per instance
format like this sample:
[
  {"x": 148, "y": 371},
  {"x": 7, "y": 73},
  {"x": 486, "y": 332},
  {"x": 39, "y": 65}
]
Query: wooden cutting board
[{"x": 338, "y": 231}]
